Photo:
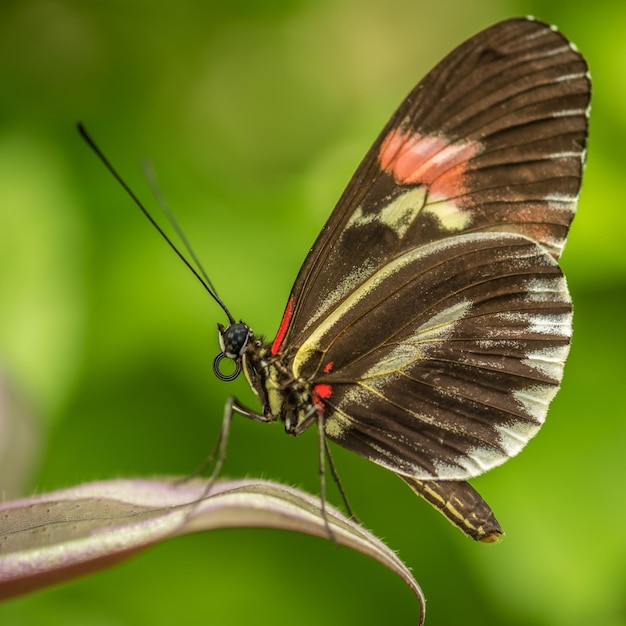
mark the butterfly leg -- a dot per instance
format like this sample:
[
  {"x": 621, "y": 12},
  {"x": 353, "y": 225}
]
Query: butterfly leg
[
  {"x": 323, "y": 452},
  {"x": 218, "y": 453},
  {"x": 337, "y": 481},
  {"x": 326, "y": 457}
]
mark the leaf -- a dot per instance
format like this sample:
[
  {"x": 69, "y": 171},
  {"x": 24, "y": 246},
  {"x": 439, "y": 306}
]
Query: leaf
[{"x": 57, "y": 536}]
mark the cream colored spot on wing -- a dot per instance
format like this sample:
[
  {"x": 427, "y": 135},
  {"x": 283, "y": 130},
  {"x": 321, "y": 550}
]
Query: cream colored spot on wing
[
  {"x": 535, "y": 400},
  {"x": 513, "y": 437},
  {"x": 450, "y": 216},
  {"x": 548, "y": 361},
  {"x": 475, "y": 462},
  {"x": 557, "y": 324},
  {"x": 337, "y": 425},
  {"x": 398, "y": 215},
  {"x": 550, "y": 289}
]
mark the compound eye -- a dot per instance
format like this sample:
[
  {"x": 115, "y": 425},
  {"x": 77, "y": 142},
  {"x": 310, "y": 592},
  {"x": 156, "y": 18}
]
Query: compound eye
[{"x": 234, "y": 339}]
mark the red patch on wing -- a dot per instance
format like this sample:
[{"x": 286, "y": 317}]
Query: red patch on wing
[
  {"x": 328, "y": 366},
  {"x": 413, "y": 158},
  {"x": 321, "y": 392},
  {"x": 284, "y": 324}
]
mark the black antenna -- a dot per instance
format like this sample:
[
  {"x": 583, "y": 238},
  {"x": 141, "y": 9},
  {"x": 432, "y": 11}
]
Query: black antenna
[
  {"x": 160, "y": 198},
  {"x": 206, "y": 282}
]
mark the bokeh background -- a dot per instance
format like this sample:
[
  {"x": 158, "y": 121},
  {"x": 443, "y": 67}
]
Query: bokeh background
[{"x": 255, "y": 114}]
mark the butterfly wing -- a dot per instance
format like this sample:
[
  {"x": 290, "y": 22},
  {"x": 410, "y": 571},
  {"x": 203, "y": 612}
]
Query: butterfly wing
[
  {"x": 431, "y": 312},
  {"x": 491, "y": 139}
]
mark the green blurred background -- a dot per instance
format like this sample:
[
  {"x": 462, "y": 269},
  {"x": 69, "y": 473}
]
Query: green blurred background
[{"x": 255, "y": 114}]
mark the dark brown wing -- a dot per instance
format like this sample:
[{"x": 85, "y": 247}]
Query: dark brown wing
[
  {"x": 443, "y": 363},
  {"x": 492, "y": 138},
  {"x": 431, "y": 314}
]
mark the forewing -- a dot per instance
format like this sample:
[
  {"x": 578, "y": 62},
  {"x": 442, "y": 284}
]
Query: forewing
[{"x": 492, "y": 139}]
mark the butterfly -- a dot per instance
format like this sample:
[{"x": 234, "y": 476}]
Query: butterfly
[{"x": 428, "y": 326}]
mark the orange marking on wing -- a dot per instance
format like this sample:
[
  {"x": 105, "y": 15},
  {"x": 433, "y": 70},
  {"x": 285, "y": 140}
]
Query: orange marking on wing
[{"x": 412, "y": 158}]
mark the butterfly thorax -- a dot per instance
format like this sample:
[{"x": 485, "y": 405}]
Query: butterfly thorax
[{"x": 283, "y": 396}]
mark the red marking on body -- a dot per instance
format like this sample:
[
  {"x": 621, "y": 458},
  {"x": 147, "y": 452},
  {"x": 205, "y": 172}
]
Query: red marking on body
[
  {"x": 329, "y": 366},
  {"x": 284, "y": 324},
  {"x": 413, "y": 158}
]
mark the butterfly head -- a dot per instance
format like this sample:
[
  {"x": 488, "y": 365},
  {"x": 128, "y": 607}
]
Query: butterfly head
[{"x": 233, "y": 342}]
